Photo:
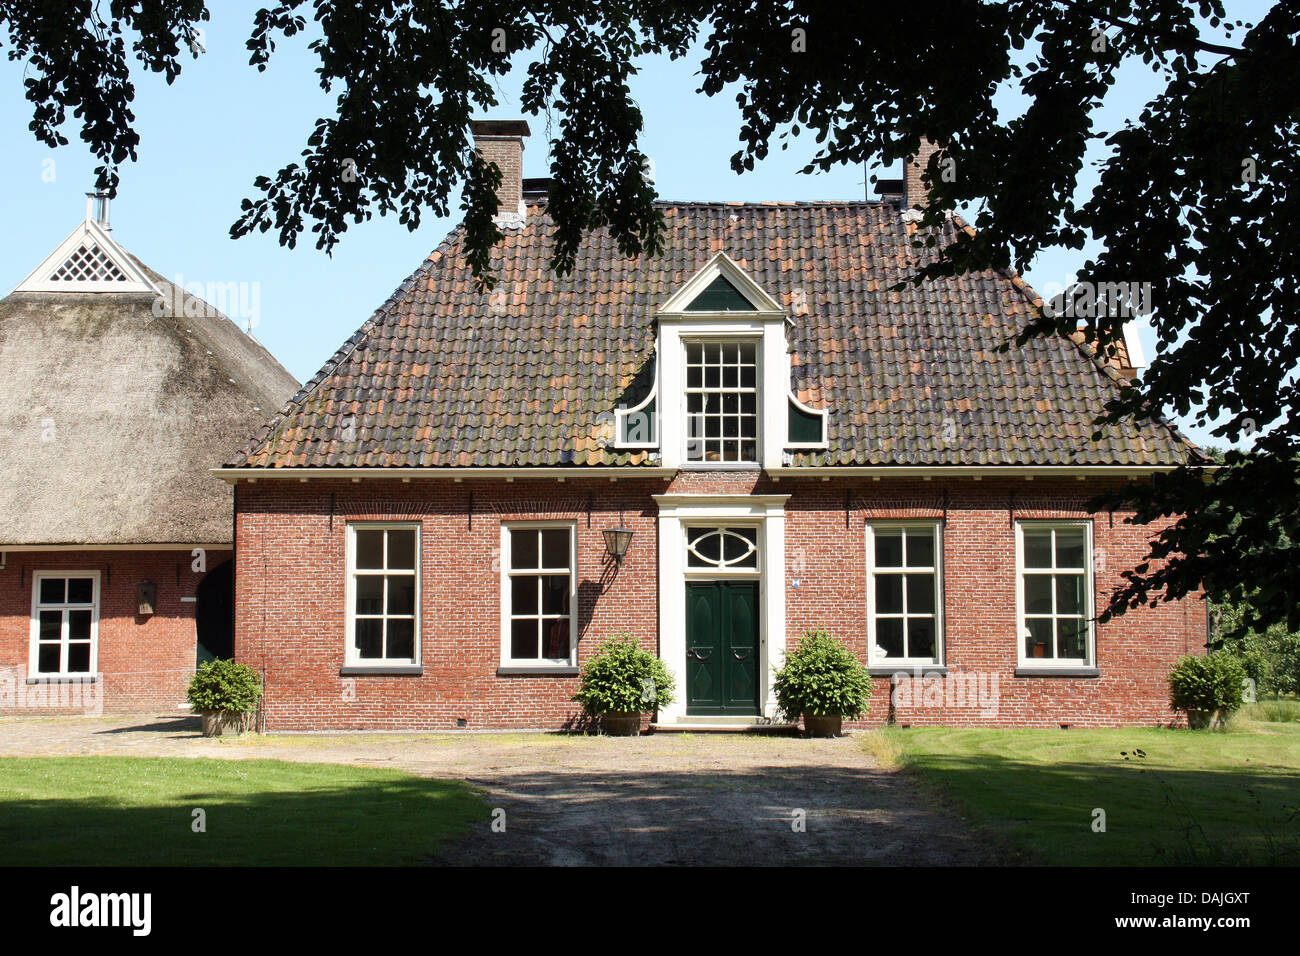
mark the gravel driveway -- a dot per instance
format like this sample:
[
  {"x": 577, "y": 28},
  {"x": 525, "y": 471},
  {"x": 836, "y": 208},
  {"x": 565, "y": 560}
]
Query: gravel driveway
[{"x": 668, "y": 799}]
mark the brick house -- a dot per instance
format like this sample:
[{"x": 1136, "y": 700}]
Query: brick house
[
  {"x": 118, "y": 393},
  {"x": 422, "y": 533}
]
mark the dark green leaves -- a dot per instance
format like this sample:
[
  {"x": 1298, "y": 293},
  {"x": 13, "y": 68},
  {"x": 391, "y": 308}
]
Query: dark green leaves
[
  {"x": 622, "y": 677},
  {"x": 1196, "y": 195},
  {"x": 822, "y": 678},
  {"x": 222, "y": 686}
]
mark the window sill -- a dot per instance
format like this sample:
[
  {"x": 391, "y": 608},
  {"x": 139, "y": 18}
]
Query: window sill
[
  {"x": 721, "y": 466},
  {"x": 911, "y": 670},
  {"x": 525, "y": 670},
  {"x": 382, "y": 670},
  {"x": 65, "y": 679},
  {"x": 1023, "y": 671}
]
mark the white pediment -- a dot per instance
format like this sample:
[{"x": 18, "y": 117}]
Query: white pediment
[
  {"x": 88, "y": 261},
  {"x": 720, "y": 265}
]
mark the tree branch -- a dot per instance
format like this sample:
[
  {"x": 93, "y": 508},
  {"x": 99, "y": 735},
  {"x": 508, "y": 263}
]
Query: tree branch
[{"x": 1145, "y": 30}]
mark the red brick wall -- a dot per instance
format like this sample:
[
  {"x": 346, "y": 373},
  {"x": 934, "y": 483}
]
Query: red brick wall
[
  {"x": 289, "y": 598},
  {"x": 1134, "y": 652},
  {"x": 146, "y": 662},
  {"x": 290, "y": 580}
]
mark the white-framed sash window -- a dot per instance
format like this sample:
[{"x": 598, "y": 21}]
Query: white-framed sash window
[
  {"x": 904, "y": 593},
  {"x": 65, "y": 624},
  {"x": 539, "y": 595},
  {"x": 722, "y": 401},
  {"x": 383, "y": 594},
  {"x": 1054, "y": 594}
]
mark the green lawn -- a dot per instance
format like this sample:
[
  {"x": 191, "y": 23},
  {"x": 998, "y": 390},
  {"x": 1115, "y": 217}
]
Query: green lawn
[
  {"x": 1197, "y": 797},
  {"x": 139, "y": 812}
]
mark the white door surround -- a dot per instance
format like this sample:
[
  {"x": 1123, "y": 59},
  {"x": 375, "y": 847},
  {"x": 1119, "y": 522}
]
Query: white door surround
[{"x": 676, "y": 513}]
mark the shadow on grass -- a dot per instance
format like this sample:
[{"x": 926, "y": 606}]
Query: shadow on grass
[
  {"x": 129, "y": 811},
  {"x": 118, "y": 811},
  {"x": 1151, "y": 814}
]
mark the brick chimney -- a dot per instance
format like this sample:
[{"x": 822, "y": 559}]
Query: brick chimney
[
  {"x": 502, "y": 142},
  {"x": 914, "y": 192}
]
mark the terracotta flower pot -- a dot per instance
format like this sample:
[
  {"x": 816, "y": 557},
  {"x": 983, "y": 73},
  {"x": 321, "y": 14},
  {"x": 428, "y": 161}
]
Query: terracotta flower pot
[
  {"x": 822, "y": 726},
  {"x": 217, "y": 723},
  {"x": 625, "y": 723}
]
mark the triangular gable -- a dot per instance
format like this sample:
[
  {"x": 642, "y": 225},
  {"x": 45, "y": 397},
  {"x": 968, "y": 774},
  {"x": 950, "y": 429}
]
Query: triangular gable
[
  {"x": 721, "y": 286},
  {"x": 720, "y": 296},
  {"x": 88, "y": 261}
]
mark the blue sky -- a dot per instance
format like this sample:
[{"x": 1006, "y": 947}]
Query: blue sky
[{"x": 205, "y": 138}]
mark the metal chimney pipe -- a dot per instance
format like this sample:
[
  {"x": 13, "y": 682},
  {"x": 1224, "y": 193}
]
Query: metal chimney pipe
[{"x": 97, "y": 209}]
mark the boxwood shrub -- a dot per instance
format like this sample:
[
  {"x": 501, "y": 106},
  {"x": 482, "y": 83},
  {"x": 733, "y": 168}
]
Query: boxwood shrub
[
  {"x": 621, "y": 677},
  {"x": 225, "y": 687},
  {"x": 822, "y": 678},
  {"x": 1207, "y": 687}
]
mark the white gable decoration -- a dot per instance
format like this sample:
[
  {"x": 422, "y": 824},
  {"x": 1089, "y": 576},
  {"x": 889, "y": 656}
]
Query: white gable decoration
[
  {"x": 659, "y": 421},
  {"x": 88, "y": 261},
  {"x": 721, "y": 265}
]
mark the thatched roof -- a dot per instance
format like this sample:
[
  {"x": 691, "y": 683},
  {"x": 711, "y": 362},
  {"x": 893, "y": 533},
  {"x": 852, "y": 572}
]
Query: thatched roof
[{"x": 111, "y": 416}]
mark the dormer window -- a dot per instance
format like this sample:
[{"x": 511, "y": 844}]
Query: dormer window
[
  {"x": 721, "y": 396},
  {"x": 722, "y": 401}
]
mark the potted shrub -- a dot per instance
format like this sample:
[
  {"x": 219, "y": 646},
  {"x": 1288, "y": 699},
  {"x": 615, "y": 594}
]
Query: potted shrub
[
  {"x": 823, "y": 682},
  {"x": 226, "y": 694},
  {"x": 1208, "y": 689},
  {"x": 620, "y": 682}
]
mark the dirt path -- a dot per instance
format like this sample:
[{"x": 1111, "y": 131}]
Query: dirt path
[{"x": 658, "y": 800}]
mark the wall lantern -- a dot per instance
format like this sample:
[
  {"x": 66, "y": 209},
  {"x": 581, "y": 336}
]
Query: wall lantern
[
  {"x": 147, "y": 592},
  {"x": 617, "y": 541}
]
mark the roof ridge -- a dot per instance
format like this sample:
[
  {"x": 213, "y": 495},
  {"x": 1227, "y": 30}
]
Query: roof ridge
[{"x": 755, "y": 203}]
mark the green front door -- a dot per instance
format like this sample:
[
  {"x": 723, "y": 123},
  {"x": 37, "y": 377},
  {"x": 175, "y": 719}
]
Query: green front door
[{"x": 722, "y": 647}]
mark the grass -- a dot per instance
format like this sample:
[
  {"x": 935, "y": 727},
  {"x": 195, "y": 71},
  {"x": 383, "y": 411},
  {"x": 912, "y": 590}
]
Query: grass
[
  {"x": 1171, "y": 797},
  {"x": 1282, "y": 710},
  {"x": 128, "y": 811}
]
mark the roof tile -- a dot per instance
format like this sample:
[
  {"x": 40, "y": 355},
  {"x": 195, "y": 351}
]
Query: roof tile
[{"x": 443, "y": 375}]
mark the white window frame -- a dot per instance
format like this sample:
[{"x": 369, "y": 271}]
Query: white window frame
[
  {"x": 88, "y": 233},
  {"x": 722, "y": 572},
  {"x": 351, "y": 660},
  {"x": 33, "y": 650},
  {"x": 874, "y": 660},
  {"x": 756, "y": 341},
  {"x": 765, "y": 325},
  {"x": 1024, "y": 661},
  {"x": 536, "y": 664}
]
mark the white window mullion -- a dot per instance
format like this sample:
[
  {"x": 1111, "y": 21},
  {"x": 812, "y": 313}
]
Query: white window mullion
[
  {"x": 906, "y": 616},
  {"x": 1054, "y": 573},
  {"x": 540, "y": 618},
  {"x": 386, "y": 574}
]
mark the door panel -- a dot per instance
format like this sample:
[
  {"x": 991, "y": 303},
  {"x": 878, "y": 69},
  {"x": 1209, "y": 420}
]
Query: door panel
[
  {"x": 703, "y": 649},
  {"x": 741, "y": 645},
  {"x": 722, "y": 647}
]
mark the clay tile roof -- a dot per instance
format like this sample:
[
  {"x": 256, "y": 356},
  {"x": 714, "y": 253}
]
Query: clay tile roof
[{"x": 443, "y": 375}]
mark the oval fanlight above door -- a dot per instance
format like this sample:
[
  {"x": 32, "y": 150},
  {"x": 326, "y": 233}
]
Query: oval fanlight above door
[{"x": 722, "y": 548}]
